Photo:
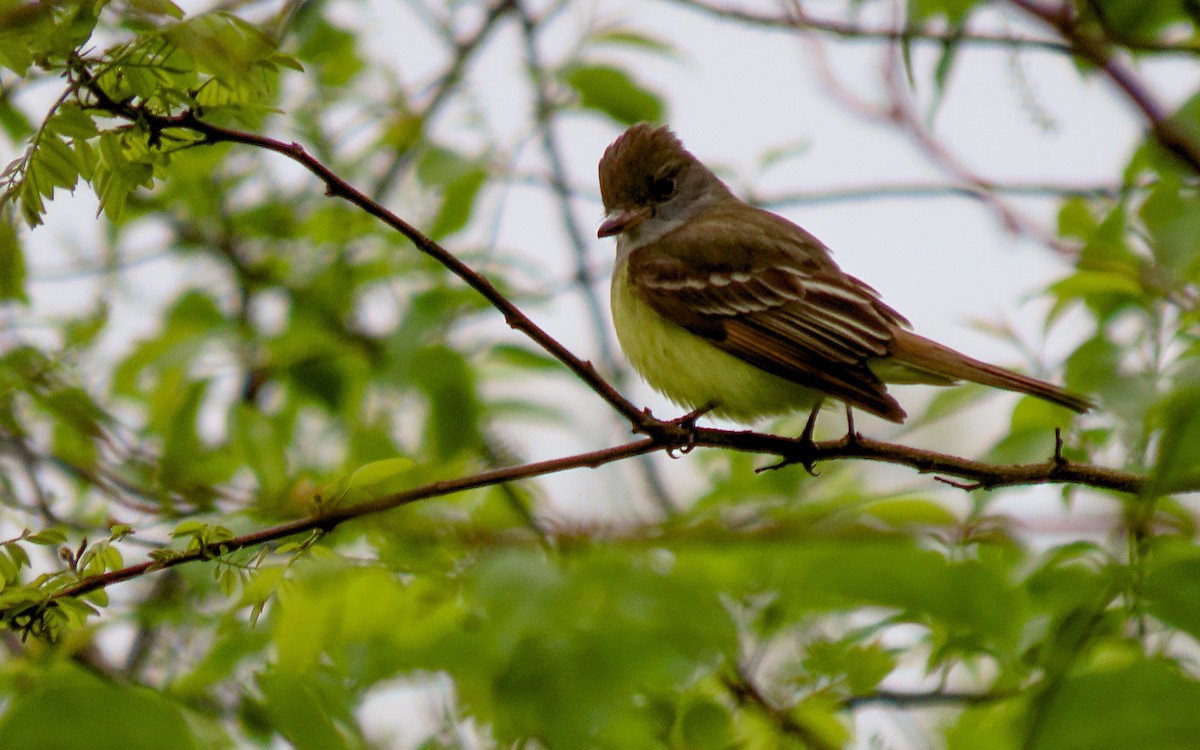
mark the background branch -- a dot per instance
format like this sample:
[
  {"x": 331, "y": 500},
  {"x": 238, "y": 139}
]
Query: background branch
[
  {"x": 1098, "y": 51},
  {"x": 856, "y": 31}
]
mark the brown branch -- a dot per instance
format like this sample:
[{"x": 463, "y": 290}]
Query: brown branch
[
  {"x": 1098, "y": 51},
  {"x": 897, "y": 111},
  {"x": 668, "y": 436},
  {"x": 337, "y": 187},
  {"x": 902, "y": 113},
  {"x": 880, "y": 191},
  {"x": 977, "y": 474},
  {"x": 978, "y": 191},
  {"x": 920, "y": 700},
  {"x": 331, "y": 518},
  {"x": 854, "y": 31},
  {"x": 747, "y": 694},
  {"x": 463, "y": 50}
]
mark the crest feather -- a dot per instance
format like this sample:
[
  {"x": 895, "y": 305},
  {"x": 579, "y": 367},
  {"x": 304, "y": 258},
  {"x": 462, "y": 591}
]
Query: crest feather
[{"x": 629, "y": 163}]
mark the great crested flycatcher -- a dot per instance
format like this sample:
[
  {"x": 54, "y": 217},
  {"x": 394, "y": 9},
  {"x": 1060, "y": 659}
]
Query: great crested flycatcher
[{"x": 721, "y": 304}]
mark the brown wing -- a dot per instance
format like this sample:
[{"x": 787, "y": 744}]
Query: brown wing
[{"x": 787, "y": 310}]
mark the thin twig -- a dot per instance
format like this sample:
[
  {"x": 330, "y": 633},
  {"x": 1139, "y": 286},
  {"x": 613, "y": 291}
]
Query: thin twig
[
  {"x": 337, "y": 187},
  {"x": 331, "y": 518},
  {"x": 671, "y": 437},
  {"x": 920, "y": 700},
  {"x": 746, "y": 693},
  {"x": 1098, "y": 51},
  {"x": 897, "y": 111},
  {"x": 446, "y": 83},
  {"x": 855, "y": 31}
]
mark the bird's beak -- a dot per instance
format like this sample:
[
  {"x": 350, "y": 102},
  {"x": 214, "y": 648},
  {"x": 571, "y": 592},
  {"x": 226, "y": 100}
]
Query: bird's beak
[{"x": 622, "y": 220}]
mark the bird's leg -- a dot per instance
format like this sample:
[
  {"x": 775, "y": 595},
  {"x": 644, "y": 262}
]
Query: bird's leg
[
  {"x": 811, "y": 425},
  {"x": 851, "y": 434}
]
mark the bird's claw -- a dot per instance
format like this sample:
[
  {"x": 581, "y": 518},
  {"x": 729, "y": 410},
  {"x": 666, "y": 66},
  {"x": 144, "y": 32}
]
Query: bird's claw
[
  {"x": 678, "y": 433},
  {"x": 687, "y": 425}
]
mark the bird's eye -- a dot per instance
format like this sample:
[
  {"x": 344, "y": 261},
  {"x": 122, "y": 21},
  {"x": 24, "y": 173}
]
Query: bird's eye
[{"x": 662, "y": 187}]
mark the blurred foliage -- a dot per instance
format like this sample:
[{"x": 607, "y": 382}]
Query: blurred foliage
[{"x": 307, "y": 358}]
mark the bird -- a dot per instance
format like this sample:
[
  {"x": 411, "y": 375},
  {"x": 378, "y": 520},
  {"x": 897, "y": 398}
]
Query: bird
[{"x": 725, "y": 307}]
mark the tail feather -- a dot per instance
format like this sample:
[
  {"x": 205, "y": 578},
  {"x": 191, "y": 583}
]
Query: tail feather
[{"x": 942, "y": 362}]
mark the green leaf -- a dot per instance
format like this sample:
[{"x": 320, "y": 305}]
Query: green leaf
[
  {"x": 1172, "y": 216},
  {"x": 611, "y": 91},
  {"x": 459, "y": 179},
  {"x": 327, "y": 380},
  {"x": 12, "y": 263},
  {"x": 57, "y": 163},
  {"x": 260, "y": 443},
  {"x": 990, "y": 726},
  {"x": 1106, "y": 248},
  {"x": 158, "y": 8},
  {"x": 950, "y": 401},
  {"x": 10, "y": 571},
  {"x": 458, "y": 201},
  {"x": 17, "y": 556},
  {"x": 48, "y": 537},
  {"x": 1030, "y": 437},
  {"x": 945, "y": 64},
  {"x": 13, "y": 121},
  {"x": 222, "y": 44},
  {"x": 635, "y": 39},
  {"x": 1137, "y": 18},
  {"x": 906, "y": 511},
  {"x": 441, "y": 166},
  {"x": 233, "y": 647},
  {"x": 1173, "y": 594},
  {"x": 101, "y": 717},
  {"x": 637, "y": 627},
  {"x": 71, "y": 121},
  {"x": 332, "y": 52},
  {"x": 954, "y": 11},
  {"x": 298, "y": 714},
  {"x": 818, "y": 715},
  {"x": 525, "y": 358},
  {"x": 178, "y": 410},
  {"x": 1087, "y": 283},
  {"x": 449, "y": 383},
  {"x": 861, "y": 666},
  {"x": 974, "y": 597},
  {"x": 82, "y": 332},
  {"x": 1094, "y": 364},
  {"x": 1178, "y": 464},
  {"x": 382, "y": 477},
  {"x": 1147, "y": 705},
  {"x": 705, "y": 724},
  {"x": 1075, "y": 219}
]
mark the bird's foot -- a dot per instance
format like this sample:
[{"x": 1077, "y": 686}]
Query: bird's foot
[{"x": 804, "y": 448}]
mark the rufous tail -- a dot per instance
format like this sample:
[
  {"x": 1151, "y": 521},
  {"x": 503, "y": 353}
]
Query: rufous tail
[{"x": 929, "y": 356}]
